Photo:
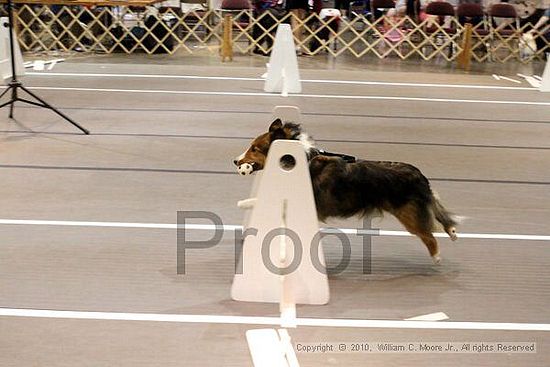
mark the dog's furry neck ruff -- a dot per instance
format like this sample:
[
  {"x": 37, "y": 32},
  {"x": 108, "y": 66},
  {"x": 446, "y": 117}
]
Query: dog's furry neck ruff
[{"x": 296, "y": 133}]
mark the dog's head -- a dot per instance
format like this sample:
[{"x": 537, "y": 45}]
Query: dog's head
[{"x": 253, "y": 159}]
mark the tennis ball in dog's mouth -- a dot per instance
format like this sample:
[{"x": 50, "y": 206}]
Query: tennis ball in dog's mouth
[{"x": 245, "y": 169}]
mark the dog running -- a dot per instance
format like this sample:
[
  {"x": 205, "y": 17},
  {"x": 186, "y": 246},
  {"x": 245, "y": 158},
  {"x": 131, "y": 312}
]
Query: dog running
[{"x": 344, "y": 187}]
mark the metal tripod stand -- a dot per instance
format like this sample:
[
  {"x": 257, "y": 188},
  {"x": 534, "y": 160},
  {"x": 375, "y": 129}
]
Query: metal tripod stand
[{"x": 14, "y": 85}]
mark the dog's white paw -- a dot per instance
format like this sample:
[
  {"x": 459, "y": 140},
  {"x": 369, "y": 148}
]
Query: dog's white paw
[
  {"x": 452, "y": 234},
  {"x": 436, "y": 259},
  {"x": 245, "y": 169}
]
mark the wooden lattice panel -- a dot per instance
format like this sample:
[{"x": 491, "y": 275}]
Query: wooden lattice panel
[{"x": 104, "y": 29}]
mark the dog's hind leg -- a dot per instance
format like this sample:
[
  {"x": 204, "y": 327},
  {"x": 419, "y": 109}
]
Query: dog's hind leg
[
  {"x": 418, "y": 220},
  {"x": 431, "y": 243},
  {"x": 444, "y": 217}
]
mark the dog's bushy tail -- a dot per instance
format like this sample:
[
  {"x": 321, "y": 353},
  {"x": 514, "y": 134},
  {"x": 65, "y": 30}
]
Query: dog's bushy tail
[{"x": 448, "y": 220}]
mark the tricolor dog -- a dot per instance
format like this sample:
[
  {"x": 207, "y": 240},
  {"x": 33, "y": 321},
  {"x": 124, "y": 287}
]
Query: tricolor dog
[{"x": 344, "y": 187}]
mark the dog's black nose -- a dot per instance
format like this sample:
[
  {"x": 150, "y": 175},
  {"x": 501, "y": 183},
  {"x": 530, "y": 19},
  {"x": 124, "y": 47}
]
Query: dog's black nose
[{"x": 235, "y": 162}]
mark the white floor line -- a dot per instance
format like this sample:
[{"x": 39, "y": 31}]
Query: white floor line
[
  {"x": 254, "y": 320},
  {"x": 322, "y": 81},
  {"x": 270, "y": 95},
  {"x": 231, "y": 228}
]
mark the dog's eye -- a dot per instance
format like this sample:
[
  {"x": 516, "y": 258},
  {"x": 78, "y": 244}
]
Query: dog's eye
[{"x": 255, "y": 150}]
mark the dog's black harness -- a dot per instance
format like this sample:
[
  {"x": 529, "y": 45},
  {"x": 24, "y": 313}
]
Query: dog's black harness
[
  {"x": 315, "y": 151},
  {"x": 345, "y": 157}
]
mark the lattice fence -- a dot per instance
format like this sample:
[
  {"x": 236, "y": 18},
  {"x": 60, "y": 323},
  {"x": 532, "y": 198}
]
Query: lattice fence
[{"x": 123, "y": 29}]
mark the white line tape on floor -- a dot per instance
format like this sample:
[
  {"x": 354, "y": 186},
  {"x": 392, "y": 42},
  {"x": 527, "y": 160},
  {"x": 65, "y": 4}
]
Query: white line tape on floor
[
  {"x": 436, "y": 316},
  {"x": 322, "y": 81},
  {"x": 325, "y": 96},
  {"x": 230, "y": 228},
  {"x": 253, "y": 320}
]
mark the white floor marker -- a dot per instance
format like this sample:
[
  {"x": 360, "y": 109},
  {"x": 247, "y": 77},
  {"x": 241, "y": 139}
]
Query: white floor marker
[
  {"x": 509, "y": 79},
  {"x": 39, "y": 65},
  {"x": 437, "y": 316},
  {"x": 534, "y": 82},
  {"x": 36, "y": 64}
]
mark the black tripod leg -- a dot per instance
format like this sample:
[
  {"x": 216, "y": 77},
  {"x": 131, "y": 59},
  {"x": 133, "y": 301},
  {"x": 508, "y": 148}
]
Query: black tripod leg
[
  {"x": 4, "y": 92},
  {"x": 5, "y": 104},
  {"x": 13, "y": 99},
  {"x": 47, "y": 105},
  {"x": 32, "y": 102}
]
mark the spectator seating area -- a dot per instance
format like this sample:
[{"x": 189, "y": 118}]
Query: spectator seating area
[{"x": 436, "y": 31}]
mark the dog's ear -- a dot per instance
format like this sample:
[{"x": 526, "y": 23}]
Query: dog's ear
[
  {"x": 276, "y": 125},
  {"x": 276, "y": 130}
]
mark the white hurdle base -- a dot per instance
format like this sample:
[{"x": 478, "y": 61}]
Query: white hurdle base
[
  {"x": 284, "y": 200},
  {"x": 271, "y": 348}
]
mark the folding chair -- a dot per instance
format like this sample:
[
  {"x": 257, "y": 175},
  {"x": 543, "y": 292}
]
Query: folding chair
[
  {"x": 242, "y": 15},
  {"x": 504, "y": 11},
  {"x": 237, "y": 7},
  {"x": 441, "y": 9},
  {"x": 438, "y": 31},
  {"x": 473, "y": 14},
  {"x": 504, "y": 28}
]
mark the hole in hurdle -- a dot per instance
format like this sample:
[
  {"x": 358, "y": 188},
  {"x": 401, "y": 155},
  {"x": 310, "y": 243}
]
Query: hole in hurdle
[{"x": 287, "y": 162}]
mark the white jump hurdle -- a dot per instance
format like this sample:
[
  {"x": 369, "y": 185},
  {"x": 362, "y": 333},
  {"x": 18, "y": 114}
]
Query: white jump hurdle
[
  {"x": 281, "y": 198},
  {"x": 284, "y": 200},
  {"x": 282, "y": 71}
]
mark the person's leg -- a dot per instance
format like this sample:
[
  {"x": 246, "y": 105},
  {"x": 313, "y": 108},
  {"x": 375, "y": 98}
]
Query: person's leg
[
  {"x": 270, "y": 25},
  {"x": 298, "y": 15},
  {"x": 258, "y": 34},
  {"x": 541, "y": 42},
  {"x": 344, "y": 6}
]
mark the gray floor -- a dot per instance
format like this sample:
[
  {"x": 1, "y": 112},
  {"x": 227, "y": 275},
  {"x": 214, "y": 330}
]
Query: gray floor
[{"x": 152, "y": 154}]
